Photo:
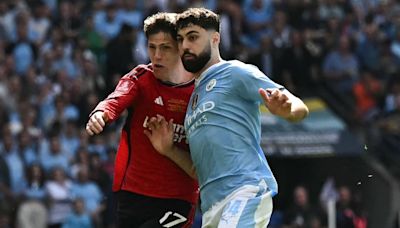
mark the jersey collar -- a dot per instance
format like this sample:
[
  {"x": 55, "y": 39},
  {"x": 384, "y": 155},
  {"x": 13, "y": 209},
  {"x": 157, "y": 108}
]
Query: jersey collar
[{"x": 197, "y": 80}]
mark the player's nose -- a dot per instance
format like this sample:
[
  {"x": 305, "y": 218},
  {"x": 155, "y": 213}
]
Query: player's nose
[
  {"x": 157, "y": 54},
  {"x": 185, "y": 45}
]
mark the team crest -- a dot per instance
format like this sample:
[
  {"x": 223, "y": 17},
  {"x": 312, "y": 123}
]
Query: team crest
[
  {"x": 211, "y": 85},
  {"x": 194, "y": 101}
]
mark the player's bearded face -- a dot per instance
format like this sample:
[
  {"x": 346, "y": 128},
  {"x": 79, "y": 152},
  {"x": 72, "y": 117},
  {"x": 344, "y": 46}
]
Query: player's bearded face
[{"x": 194, "y": 63}]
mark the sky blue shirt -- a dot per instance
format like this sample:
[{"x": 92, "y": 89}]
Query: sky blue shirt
[
  {"x": 223, "y": 128},
  {"x": 89, "y": 192},
  {"x": 16, "y": 169},
  {"x": 74, "y": 220}
]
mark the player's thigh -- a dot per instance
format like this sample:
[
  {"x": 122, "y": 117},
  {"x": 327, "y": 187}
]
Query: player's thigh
[
  {"x": 135, "y": 210},
  {"x": 127, "y": 208},
  {"x": 247, "y": 212}
]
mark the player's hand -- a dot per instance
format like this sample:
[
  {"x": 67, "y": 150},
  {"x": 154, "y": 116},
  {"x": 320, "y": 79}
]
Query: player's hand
[
  {"x": 277, "y": 102},
  {"x": 96, "y": 123},
  {"x": 161, "y": 134}
]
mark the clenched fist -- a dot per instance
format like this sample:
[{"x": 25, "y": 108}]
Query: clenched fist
[{"x": 96, "y": 123}]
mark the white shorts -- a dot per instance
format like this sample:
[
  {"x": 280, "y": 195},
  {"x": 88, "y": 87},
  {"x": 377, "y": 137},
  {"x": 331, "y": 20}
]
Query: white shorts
[{"x": 248, "y": 206}]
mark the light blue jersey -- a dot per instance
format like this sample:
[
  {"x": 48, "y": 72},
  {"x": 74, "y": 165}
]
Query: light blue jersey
[{"x": 223, "y": 128}]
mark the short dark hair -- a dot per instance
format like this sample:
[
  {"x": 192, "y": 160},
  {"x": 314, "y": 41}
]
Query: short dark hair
[
  {"x": 160, "y": 22},
  {"x": 202, "y": 17}
]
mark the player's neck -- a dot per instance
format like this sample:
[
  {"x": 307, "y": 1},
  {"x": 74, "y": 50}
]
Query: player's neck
[
  {"x": 210, "y": 63},
  {"x": 179, "y": 75}
]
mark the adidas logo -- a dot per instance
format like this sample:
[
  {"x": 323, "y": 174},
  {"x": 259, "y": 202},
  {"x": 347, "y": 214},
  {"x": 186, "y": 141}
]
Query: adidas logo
[{"x": 159, "y": 101}]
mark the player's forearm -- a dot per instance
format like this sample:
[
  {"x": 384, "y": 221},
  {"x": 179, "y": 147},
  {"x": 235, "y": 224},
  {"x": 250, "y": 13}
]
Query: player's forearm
[
  {"x": 183, "y": 160},
  {"x": 120, "y": 99},
  {"x": 299, "y": 110},
  {"x": 112, "y": 107}
]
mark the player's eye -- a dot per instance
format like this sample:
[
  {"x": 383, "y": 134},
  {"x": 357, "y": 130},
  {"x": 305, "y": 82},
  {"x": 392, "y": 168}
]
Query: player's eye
[
  {"x": 192, "y": 38},
  {"x": 165, "y": 47}
]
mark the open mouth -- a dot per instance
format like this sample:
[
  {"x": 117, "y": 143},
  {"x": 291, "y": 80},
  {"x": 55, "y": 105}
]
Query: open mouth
[{"x": 158, "y": 66}]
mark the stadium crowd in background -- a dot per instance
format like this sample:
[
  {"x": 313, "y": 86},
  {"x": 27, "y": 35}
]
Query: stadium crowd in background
[{"x": 59, "y": 58}]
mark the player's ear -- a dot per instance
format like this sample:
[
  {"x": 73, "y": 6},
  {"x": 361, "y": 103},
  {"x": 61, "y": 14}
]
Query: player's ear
[{"x": 215, "y": 38}]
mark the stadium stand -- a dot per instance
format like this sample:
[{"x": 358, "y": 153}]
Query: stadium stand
[{"x": 58, "y": 58}]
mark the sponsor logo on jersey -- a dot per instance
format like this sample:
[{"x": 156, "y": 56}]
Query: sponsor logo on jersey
[
  {"x": 179, "y": 131},
  {"x": 204, "y": 107},
  {"x": 198, "y": 117}
]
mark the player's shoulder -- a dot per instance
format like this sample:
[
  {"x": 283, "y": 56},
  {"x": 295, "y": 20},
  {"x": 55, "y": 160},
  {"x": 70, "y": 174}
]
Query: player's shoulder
[
  {"x": 240, "y": 68},
  {"x": 228, "y": 66},
  {"x": 140, "y": 72}
]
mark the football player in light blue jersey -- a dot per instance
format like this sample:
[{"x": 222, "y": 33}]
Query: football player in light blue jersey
[{"x": 223, "y": 126}]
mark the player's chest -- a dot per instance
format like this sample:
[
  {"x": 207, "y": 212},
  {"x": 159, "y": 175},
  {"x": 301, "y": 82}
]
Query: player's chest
[
  {"x": 161, "y": 100},
  {"x": 212, "y": 92}
]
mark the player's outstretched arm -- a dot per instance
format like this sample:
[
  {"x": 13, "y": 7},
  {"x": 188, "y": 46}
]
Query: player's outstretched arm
[
  {"x": 161, "y": 136},
  {"x": 123, "y": 96},
  {"x": 284, "y": 104}
]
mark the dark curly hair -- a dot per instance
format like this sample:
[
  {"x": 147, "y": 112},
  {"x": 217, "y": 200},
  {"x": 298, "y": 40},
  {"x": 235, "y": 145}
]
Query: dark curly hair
[{"x": 202, "y": 17}]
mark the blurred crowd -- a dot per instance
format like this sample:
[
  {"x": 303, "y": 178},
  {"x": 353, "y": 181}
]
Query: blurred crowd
[
  {"x": 303, "y": 212},
  {"x": 59, "y": 58}
]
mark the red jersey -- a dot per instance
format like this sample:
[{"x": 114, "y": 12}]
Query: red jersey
[{"x": 139, "y": 168}]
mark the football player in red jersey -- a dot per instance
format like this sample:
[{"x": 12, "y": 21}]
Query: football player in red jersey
[{"x": 152, "y": 190}]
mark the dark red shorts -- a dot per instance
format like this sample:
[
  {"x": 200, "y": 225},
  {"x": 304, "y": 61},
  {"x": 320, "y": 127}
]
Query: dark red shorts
[{"x": 134, "y": 210}]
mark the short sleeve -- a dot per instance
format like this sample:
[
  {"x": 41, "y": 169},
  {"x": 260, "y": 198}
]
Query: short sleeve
[{"x": 248, "y": 79}]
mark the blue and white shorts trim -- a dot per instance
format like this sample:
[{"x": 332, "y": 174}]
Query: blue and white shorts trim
[{"x": 248, "y": 206}]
